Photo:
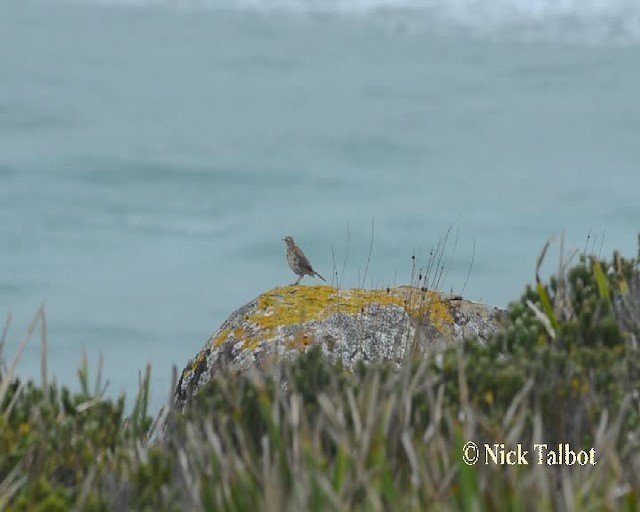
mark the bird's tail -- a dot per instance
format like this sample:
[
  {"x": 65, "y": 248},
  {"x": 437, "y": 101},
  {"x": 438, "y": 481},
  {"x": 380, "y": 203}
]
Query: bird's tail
[{"x": 320, "y": 276}]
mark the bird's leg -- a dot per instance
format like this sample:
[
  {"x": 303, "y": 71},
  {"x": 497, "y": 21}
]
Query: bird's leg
[{"x": 298, "y": 281}]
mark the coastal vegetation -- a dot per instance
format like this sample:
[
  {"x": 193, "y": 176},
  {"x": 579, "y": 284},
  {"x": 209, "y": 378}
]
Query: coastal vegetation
[{"x": 559, "y": 381}]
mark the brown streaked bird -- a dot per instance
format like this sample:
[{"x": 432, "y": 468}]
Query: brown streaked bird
[{"x": 298, "y": 261}]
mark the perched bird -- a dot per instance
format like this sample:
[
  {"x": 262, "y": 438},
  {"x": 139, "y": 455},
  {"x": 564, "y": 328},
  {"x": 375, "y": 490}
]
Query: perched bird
[{"x": 298, "y": 261}]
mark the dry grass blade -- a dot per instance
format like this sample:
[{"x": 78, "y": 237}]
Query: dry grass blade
[
  {"x": 544, "y": 320},
  {"x": 562, "y": 302},
  {"x": 355, "y": 414},
  {"x": 515, "y": 403},
  {"x": 159, "y": 423},
  {"x": 569, "y": 503},
  {"x": 543, "y": 294},
  {"x": 366, "y": 268},
  {"x": 601, "y": 431},
  {"x": 333, "y": 414},
  {"x": 190, "y": 483},
  {"x": 465, "y": 403},
  {"x": 80, "y": 504},
  {"x": 370, "y": 404},
  {"x": 11, "y": 485},
  {"x": 15, "y": 398},
  {"x": 540, "y": 259},
  {"x": 84, "y": 406},
  {"x": 6, "y": 379},
  {"x": 43, "y": 355},
  {"x": 334, "y": 271},
  {"x": 3, "y": 338},
  {"x": 405, "y": 439},
  {"x": 541, "y": 480},
  {"x": 466, "y": 280},
  {"x": 329, "y": 493}
]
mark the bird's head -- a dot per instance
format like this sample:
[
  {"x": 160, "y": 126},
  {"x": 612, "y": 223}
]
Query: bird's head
[{"x": 288, "y": 240}]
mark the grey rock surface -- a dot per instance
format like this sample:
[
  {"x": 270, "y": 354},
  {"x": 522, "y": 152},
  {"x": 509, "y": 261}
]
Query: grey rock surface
[{"x": 350, "y": 325}]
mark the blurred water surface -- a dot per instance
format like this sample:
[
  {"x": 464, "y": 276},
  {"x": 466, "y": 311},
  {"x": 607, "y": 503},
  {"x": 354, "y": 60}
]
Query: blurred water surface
[{"x": 153, "y": 155}]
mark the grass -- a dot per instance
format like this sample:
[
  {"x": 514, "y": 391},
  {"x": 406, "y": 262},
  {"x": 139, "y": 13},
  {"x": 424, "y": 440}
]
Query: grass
[{"x": 565, "y": 368}]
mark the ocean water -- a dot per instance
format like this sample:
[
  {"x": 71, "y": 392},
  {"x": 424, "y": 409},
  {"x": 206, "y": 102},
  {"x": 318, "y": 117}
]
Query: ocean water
[{"x": 153, "y": 155}]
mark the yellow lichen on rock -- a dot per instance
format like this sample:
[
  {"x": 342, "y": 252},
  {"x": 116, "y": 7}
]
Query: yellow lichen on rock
[
  {"x": 221, "y": 338},
  {"x": 293, "y": 305},
  {"x": 297, "y": 305},
  {"x": 416, "y": 302},
  {"x": 440, "y": 315}
]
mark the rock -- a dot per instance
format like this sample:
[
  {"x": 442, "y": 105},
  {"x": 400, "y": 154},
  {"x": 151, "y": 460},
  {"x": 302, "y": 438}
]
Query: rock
[{"x": 351, "y": 325}]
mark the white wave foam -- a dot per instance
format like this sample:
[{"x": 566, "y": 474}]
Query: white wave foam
[
  {"x": 583, "y": 20},
  {"x": 572, "y": 20}
]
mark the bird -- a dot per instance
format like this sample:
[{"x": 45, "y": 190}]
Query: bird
[{"x": 298, "y": 261}]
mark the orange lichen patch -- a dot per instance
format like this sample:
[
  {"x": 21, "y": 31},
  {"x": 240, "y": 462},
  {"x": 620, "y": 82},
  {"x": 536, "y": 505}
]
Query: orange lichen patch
[{"x": 300, "y": 340}]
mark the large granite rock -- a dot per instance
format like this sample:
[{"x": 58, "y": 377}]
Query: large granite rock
[{"x": 350, "y": 325}]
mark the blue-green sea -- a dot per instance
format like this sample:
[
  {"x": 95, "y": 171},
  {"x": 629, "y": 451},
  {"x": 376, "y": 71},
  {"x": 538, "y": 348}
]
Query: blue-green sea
[{"x": 154, "y": 154}]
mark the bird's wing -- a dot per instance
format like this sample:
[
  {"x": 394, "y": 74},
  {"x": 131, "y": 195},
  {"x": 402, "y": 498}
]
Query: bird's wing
[{"x": 306, "y": 264}]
